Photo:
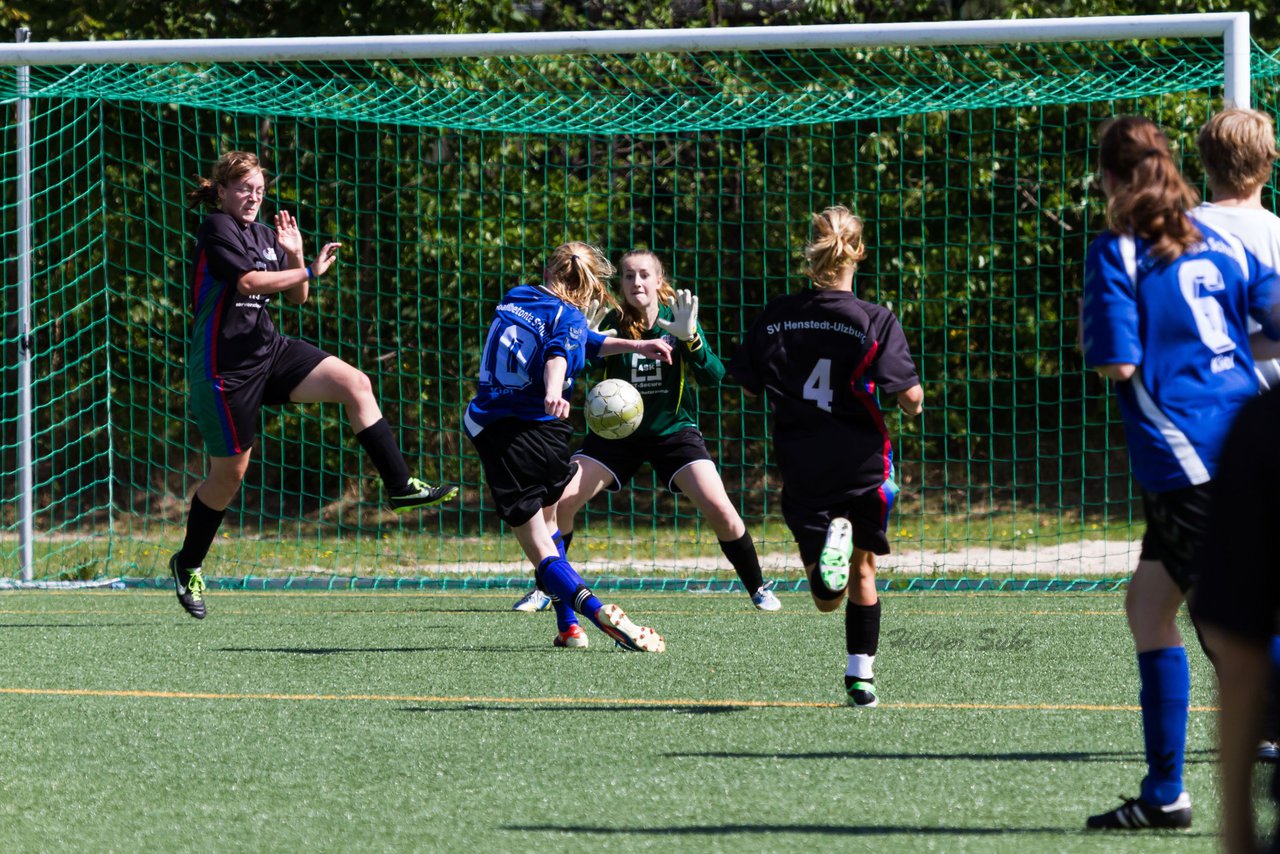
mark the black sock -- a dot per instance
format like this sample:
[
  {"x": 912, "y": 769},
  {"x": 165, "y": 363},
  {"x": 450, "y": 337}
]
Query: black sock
[
  {"x": 202, "y": 527},
  {"x": 742, "y": 554},
  {"x": 566, "y": 539},
  {"x": 385, "y": 453},
  {"x": 861, "y": 628}
]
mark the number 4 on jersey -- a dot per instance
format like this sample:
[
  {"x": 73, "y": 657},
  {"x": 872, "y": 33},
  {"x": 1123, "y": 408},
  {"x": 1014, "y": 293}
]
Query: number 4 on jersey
[{"x": 818, "y": 386}]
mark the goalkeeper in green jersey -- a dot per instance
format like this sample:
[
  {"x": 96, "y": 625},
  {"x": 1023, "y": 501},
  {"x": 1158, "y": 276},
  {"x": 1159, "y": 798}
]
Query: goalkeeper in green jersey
[{"x": 668, "y": 438}]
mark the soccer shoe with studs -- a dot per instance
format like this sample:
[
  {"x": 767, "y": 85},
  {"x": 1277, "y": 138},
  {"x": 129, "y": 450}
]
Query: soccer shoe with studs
[
  {"x": 189, "y": 584},
  {"x": 534, "y": 600},
  {"x": 572, "y": 638},
  {"x": 614, "y": 622},
  {"x": 860, "y": 693},
  {"x": 837, "y": 551},
  {"x": 1136, "y": 814},
  {"x": 765, "y": 600},
  {"x": 1268, "y": 752},
  {"x": 421, "y": 494}
]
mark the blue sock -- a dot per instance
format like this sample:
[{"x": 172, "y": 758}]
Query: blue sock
[
  {"x": 564, "y": 611},
  {"x": 561, "y": 581},
  {"x": 1165, "y": 697}
]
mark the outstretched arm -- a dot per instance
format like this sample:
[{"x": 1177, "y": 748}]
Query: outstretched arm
[{"x": 653, "y": 348}]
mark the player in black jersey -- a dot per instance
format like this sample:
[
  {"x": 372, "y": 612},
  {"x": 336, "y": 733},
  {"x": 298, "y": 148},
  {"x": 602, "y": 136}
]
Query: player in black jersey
[
  {"x": 237, "y": 362},
  {"x": 821, "y": 354}
]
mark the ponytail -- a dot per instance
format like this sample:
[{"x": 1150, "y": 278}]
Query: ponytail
[
  {"x": 836, "y": 245},
  {"x": 228, "y": 167},
  {"x": 577, "y": 272},
  {"x": 1148, "y": 197}
]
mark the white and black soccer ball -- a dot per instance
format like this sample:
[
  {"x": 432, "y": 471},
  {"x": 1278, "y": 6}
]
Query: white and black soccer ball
[{"x": 614, "y": 409}]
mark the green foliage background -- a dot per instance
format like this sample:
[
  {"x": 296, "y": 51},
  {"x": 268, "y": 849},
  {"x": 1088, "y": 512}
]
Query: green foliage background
[{"x": 977, "y": 219}]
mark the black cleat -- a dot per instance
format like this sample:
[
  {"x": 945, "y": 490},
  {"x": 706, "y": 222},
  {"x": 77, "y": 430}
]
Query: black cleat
[
  {"x": 189, "y": 583},
  {"x": 861, "y": 692},
  {"x": 1136, "y": 814},
  {"x": 421, "y": 494}
]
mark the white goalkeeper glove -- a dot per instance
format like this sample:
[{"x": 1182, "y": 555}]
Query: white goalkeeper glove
[
  {"x": 595, "y": 315},
  {"x": 684, "y": 324}
]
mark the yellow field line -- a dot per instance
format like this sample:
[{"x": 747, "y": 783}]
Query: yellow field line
[{"x": 584, "y": 701}]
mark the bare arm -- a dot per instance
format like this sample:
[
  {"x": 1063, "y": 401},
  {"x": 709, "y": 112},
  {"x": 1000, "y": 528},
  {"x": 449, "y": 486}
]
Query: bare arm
[
  {"x": 653, "y": 348},
  {"x": 1119, "y": 373},
  {"x": 911, "y": 401},
  {"x": 294, "y": 283},
  {"x": 1242, "y": 677},
  {"x": 553, "y": 379}
]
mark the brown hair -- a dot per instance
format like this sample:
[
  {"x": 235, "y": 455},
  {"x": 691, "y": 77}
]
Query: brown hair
[
  {"x": 577, "y": 272},
  {"x": 633, "y": 323},
  {"x": 228, "y": 167},
  {"x": 1238, "y": 149},
  {"x": 1148, "y": 197},
  {"x": 836, "y": 244}
]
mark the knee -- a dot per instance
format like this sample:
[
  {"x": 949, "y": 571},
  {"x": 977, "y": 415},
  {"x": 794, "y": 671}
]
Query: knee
[
  {"x": 724, "y": 519},
  {"x": 358, "y": 386},
  {"x": 1146, "y": 618},
  {"x": 220, "y": 487}
]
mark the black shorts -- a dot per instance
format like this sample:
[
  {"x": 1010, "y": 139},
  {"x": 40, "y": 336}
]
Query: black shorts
[
  {"x": 669, "y": 455},
  {"x": 526, "y": 465},
  {"x": 867, "y": 512},
  {"x": 226, "y": 411},
  {"x": 1177, "y": 522}
]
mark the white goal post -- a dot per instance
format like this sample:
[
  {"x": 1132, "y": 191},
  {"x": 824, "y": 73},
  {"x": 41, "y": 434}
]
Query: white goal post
[{"x": 1231, "y": 27}]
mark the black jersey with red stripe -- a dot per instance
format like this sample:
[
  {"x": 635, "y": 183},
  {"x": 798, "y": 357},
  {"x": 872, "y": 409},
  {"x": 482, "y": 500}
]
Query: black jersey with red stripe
[{"x": 820, "y": 356}]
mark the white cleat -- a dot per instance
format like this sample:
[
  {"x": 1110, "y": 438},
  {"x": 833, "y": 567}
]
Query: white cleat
[
  {"x": 534, "y": 600},
  {"x": 614, "y": 622}
]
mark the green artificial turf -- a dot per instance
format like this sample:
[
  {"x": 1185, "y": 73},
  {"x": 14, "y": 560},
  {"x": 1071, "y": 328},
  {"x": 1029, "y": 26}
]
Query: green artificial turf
[{"x": 392, "y": 721}]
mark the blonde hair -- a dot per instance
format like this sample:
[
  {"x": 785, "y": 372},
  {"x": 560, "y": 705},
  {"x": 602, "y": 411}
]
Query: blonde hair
[
  {"x": 1148, "y": 197},
  {"x": 577, "y": 272},
  {"x": 227, "y": 168},
  {"x": 836, "y": 244},
  {"x": 633, "y": 323},
  {"x": 1238, "y": 149}
]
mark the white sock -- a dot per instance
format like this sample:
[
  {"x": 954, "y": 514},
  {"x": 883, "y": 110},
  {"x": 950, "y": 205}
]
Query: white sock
[{"x": 861, "y": 666}]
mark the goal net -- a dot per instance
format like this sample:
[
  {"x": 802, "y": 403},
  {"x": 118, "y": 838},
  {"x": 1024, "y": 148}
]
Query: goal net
[{"x": 450, "y": 179}]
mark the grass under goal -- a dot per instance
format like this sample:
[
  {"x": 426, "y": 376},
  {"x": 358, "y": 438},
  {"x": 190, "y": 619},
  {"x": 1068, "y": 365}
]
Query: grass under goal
[{"x": 361, "y": 721}]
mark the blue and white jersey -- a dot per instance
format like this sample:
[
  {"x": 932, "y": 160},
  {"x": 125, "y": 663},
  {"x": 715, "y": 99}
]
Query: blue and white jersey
[
  {"x": 1259, "y": 231},
  {"x": 530, "y": 325},
  {"x": 1184, "y": 325}
]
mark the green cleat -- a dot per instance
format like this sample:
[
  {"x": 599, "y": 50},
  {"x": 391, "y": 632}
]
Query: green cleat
[
  {"x": 189, "y": 584},
  {"x": 833, "y": 565},
  {"x": 421, "y": 494},
  {"x": 861, "y": 693}
]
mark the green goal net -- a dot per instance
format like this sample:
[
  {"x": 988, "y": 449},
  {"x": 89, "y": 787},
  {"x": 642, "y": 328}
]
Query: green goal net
[{"x": 450, "y": 180}]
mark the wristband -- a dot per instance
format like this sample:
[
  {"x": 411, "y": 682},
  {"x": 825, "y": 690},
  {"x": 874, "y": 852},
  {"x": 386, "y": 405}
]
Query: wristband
[
  {"x": 694, "y": 344},
  {"x": 310, "y": 273}
]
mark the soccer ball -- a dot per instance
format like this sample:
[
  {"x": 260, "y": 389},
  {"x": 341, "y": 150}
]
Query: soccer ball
[{"x": 614, "y": 409}]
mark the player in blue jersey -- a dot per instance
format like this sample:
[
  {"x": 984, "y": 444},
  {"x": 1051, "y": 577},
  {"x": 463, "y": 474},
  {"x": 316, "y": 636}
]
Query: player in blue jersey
[
  {"x": 1238, "y": 151},
  {"x": 538, "y": 342},
  {"x": 821, "y": 354},
  {"x": 668, "y": 438},
  {"x": 237, "y": 362},
  {"x": 1166, "y": 303}
]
